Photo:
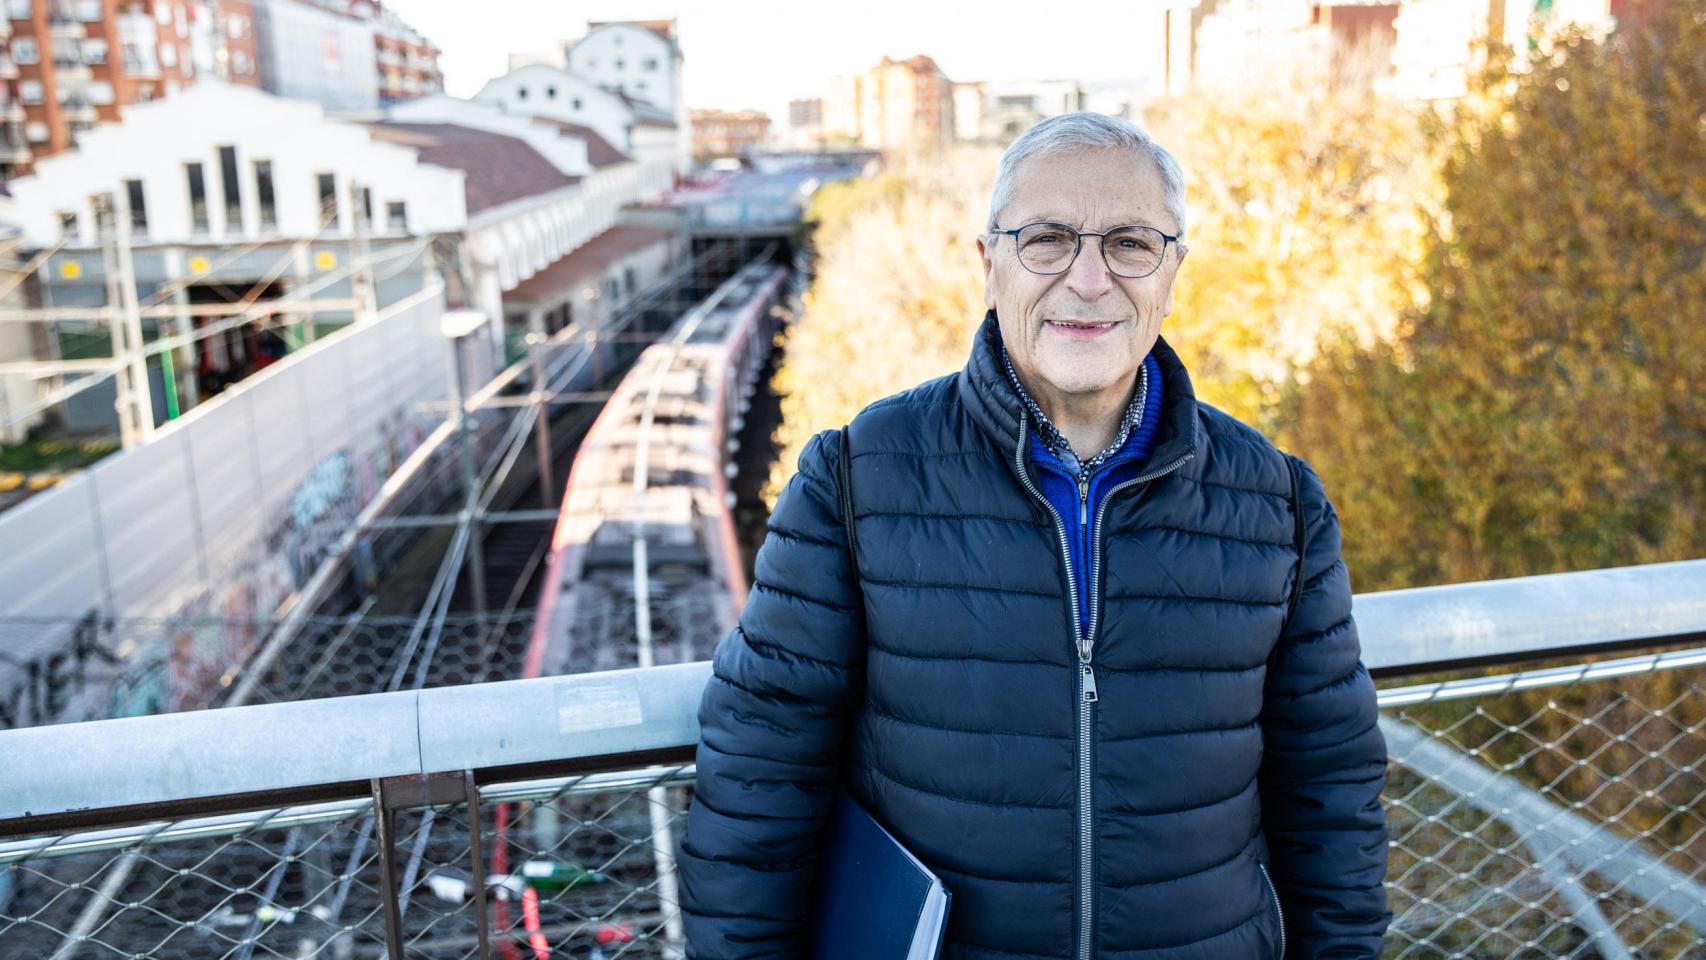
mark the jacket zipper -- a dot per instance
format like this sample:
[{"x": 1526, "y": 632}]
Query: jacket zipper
[
  {"x": 1087, "y": 676},
  {"x": 1277, "y": 910}
]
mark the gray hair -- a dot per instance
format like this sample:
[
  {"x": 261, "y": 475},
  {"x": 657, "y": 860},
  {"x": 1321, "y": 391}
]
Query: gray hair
[{"x": 1080, "y": 131}]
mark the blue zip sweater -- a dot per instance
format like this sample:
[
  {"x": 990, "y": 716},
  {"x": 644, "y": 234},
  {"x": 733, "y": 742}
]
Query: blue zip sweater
[{"x": 1078, "y": 506}]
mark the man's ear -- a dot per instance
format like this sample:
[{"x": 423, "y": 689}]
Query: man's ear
[{"x": 988, "y": 256}]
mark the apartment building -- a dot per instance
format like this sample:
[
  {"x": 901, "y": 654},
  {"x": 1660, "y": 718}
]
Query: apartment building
[
  {"x": 66, "y": 65},
  {"x": 728, "y": 133},
  {"x": 898, "y": 105}
]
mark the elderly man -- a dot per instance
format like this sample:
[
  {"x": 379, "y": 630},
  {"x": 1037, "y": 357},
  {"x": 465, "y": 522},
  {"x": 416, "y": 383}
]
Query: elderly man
[{"x": 1081, "y": 642}]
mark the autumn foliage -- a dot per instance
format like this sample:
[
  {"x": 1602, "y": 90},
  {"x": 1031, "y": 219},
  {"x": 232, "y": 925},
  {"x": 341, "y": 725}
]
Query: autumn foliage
[{"x": 1481, "y": 323}]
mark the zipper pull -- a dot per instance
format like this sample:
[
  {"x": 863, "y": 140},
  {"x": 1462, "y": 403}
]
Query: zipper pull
[
  {"x": 1083, "y": 500},
  {"x": 1089, "y": 683}
]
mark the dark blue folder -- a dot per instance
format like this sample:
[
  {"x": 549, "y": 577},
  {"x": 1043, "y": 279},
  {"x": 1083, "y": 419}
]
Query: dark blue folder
[{"x": 874, "y": 900}]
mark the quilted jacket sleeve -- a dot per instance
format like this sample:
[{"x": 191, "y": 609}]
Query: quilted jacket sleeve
[
  {"x": 773, "y": 722},
  {"x": 1324, "y": 760}
]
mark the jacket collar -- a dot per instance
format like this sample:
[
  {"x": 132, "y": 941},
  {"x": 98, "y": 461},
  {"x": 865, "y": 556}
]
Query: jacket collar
[{"x": 999, "y": 413}]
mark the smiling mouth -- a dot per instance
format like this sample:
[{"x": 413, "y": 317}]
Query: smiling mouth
[
  {"x": 1084, "y": 328},
  {"x": 1083, "y": 324}
]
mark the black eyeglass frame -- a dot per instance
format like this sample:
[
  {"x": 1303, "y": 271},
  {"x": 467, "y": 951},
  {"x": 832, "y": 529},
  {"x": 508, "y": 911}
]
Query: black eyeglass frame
[{"x": 1078, "y": 246}]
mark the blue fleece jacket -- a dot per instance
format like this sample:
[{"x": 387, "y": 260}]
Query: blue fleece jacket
[{"x": 1078, "y": 505}]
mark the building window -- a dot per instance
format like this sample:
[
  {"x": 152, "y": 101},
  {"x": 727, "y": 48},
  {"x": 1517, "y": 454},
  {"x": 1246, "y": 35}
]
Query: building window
[
  {"x": 651, "y": 63},
  {"x": 29, "y": 91},
  {"x": 232, "y": 190},
  {"x": 521, "y": 93},
  {"x": 264, "y": 195},
  {"x": 89, "y": 11},
  {"x": 621, "y": 64},
  {"x": 397, "y": 216},
  {"x": 639, "y": 84},
  {"x": 35, "y": 131},
  {"x": 365, "y": 208},
  {"x": 67, "y": 52},
  {"x": 168, "y": 55},
  {"x": 95, "y": 50},
  {"x": 237, "y": 26},
  {"x": 18, "y": 9},
  {"x": 551, "y": 92},
  {"x": 25, "y": 51},
  {"x": 163, "y": 14},
  {"x": 241, "y": 64},
  {"x": 198, "y": 197},
  {"x": 628, "y": 280},
  {"x": 99, "y": 92},
  {"x": 575, "y": 103},
  {"x": 138, "y": 207},
  {"x": 68, "y": 223},
  {"x": 327, "y": 184}
]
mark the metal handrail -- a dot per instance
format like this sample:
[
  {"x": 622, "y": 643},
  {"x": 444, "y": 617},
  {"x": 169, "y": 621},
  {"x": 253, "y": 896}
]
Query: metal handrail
[{"x": 190, "y": 764}]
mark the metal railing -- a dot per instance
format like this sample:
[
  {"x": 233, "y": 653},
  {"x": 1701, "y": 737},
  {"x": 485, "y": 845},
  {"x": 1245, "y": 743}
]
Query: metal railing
[{"x": 1557, "y": 811}]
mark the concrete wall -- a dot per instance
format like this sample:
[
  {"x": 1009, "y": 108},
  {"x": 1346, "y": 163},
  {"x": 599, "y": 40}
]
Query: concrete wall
[{"x": 210, "y": 526}]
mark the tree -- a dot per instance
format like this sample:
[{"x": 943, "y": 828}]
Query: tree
[
  {"x": 1308, "y": 202},
  {"x": 1543, "y": 412},
  {"x": 897, "y": 295}
]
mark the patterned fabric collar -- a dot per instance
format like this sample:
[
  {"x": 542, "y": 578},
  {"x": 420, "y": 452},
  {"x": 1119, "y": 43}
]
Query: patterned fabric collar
[{"x": 1056, "y": 441}]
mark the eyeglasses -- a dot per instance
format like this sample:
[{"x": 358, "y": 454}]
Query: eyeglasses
[{"x": 1049, "y": 248}]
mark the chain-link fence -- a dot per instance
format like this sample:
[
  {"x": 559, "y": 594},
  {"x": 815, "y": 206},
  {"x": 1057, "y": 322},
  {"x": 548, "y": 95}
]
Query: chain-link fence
[
  {"x": 568, "y": 862},
  {"x": 1555, "y": 813}
]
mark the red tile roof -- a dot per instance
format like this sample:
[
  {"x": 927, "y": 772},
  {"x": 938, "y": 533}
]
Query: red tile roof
[
  {"x": 499, "y": 168},
  {"x": 590, "y": 260},
  {"x": 599, "y": 152}
]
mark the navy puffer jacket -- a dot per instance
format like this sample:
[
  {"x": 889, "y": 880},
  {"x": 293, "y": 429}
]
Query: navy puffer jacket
[{"x": 943, "y": 687}]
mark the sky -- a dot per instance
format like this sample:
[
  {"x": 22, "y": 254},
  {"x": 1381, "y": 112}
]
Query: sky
[{"x": 759, "y": 54}]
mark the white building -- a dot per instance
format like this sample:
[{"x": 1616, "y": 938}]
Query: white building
[
  {"x": 259, "y": 174},
  {"x": 527, "y": 222},
  {"x": 641, "y": 59},
  {"x": 641, "y": 130},
  {"x": 274, "y": 202}
]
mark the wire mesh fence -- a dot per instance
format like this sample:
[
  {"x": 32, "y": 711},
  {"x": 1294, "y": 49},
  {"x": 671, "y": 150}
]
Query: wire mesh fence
[{"x": 1546, "y": 814}]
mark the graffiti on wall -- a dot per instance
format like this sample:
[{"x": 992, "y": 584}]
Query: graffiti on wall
[{"x": 42, "y": 686}]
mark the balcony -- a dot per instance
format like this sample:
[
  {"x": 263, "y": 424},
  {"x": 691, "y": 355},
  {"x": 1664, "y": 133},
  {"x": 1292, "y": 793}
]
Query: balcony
[
  {"x": 72, "y": 71},
  {"x": 13, "y": 149},
  {"x": 78, "y": 110},
  {"x": 8, "y": 69},
  {"x": 141, "y": 67},
  {"x": 13, "y": 111},
  {"x": 1541, "y": 812},
  {"x": 61, "y": 25}
]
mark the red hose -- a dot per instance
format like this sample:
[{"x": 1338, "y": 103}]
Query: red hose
[{"x": 530, "y": 917}]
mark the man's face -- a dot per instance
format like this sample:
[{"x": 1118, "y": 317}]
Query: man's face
[{"x": 1091, "y": 190}]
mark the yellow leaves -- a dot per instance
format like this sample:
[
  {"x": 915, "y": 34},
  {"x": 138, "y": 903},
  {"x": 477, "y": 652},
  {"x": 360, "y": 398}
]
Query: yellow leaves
[{"x": 1538, "y": 406}]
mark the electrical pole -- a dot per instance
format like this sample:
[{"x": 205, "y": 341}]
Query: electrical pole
[
  {"x": 361, "y": 266},
  {"x": 135, "y": 404}
]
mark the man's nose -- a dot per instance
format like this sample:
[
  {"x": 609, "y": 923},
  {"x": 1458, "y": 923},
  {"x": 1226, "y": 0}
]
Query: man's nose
[{"x": 1089, "y": 276}]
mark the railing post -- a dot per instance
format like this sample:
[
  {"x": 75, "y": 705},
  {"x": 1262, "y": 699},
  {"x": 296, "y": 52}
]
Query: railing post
[
  {"x": 477, "y": 865},
  {"x": 385, "y": 833}
]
